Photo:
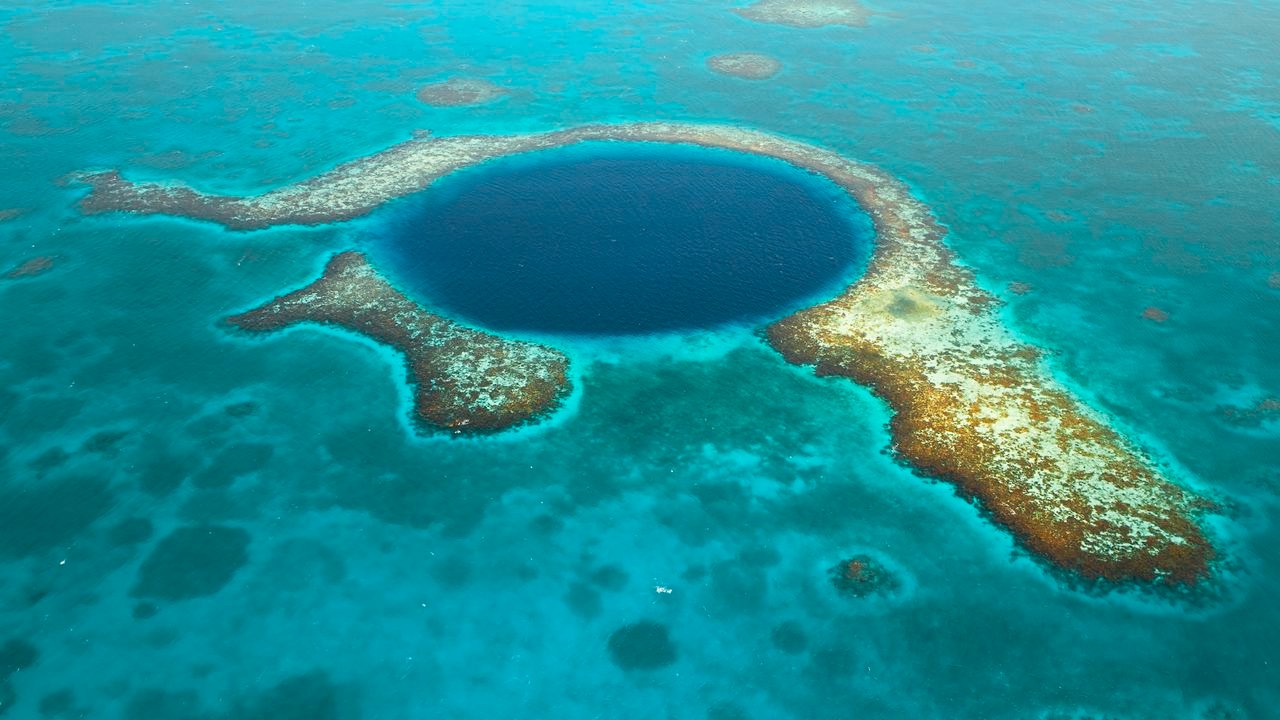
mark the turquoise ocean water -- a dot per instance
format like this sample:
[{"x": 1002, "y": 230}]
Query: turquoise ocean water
[{"x": 198, "y": 525}]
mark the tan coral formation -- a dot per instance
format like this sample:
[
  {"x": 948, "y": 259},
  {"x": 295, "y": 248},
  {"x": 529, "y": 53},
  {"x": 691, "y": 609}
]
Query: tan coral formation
[
  {"x": 972, "y": 404},
  {"x": 1155, "y": 314},
  {"x": 462, "y": 91},
  {"x": 975, "y": 406},
  {"x": 31, "y": 267},
  {"x": 745, "y": 65},
  {"x": 464, "y": 379},
  {"x": 808, "y": 13}
]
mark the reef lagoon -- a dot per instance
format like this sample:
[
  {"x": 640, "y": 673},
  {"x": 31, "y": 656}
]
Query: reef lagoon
[{"x": 787, "y": 359}]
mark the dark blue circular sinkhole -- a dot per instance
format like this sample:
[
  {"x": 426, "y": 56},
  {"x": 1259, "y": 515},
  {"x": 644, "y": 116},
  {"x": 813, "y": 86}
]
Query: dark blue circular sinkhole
[{"x": 624, "y": 239}]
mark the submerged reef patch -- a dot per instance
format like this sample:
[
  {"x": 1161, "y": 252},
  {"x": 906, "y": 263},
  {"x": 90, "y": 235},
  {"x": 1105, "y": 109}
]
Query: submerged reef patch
[
  {"x": 644, "y": 645},
  {"x": 16, "y": 654},
  {"x": 463, "y": 379},
  {"x": 746, "y": 65},
  {"x": 789, "y": 637},
  {"x": 50, "y": 513},
  {"x": 31, "y": 267},
  {"x": 972, "y": 403},
  {"x": 862, "y": 576},
  {"x": 1155, "y": 314},
  {"x": 130, "y": 531},
  {"x": 457, "y": 92},
  {"x": 808, "y": 13},
  {"x": 191, "y": 562}
]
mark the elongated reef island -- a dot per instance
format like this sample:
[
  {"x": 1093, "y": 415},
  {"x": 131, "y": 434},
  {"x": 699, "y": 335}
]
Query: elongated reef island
[{"x": 972, "y": 403}]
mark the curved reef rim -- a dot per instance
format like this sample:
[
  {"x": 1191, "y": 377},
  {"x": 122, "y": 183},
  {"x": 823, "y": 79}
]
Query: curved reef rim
[
  {"x": 973, "y": 404},
  {"x": 464, "y": 380}
]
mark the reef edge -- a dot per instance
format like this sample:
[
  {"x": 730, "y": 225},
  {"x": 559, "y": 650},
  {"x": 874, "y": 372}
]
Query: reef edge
[{"x": 464, "y": 380}]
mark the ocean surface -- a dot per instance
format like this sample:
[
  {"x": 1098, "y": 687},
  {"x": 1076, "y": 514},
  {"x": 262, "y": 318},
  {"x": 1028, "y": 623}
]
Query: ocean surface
[{"x": 198, "y": 525}]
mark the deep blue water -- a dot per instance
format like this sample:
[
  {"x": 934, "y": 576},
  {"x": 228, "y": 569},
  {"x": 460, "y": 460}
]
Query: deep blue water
[
  {"x": 609, "y": 240},
  {"x": 198, "y": 527}
]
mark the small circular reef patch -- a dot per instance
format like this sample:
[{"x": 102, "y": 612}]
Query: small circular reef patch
[
  {"x": 862, "y": 576},
  {"x": 746, "y": 65}
]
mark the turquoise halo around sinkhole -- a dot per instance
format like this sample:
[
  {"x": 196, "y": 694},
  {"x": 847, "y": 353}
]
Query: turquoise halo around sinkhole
[{"x": 624, "y": 239}]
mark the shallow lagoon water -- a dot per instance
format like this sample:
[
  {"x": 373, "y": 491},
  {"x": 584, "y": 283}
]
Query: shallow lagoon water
[{"x": 388, "y": 576}]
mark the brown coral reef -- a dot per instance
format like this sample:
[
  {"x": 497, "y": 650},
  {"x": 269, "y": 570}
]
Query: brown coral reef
[
  {"x": 972, "y": 404},
  {"x": 978, "y": 408},
  {"x": 464, "y": 380}
]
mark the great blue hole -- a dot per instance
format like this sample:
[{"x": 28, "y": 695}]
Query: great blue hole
[{"x": 624, "y": 239}]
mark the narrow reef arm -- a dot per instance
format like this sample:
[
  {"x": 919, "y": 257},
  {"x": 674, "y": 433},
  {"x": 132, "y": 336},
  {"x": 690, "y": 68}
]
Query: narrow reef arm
[{"x": 463, "y": 379}]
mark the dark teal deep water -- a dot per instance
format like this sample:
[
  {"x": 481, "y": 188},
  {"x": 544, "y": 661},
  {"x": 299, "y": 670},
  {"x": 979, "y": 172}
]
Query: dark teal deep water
[
  {"x": 198, "y": 526},
  {"x": 625, "y": 240}
]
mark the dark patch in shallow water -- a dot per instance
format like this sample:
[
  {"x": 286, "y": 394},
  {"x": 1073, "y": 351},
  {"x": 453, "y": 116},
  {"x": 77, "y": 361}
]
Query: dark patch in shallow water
[
  {"x": 452, "y": 572},
  {"x": 8, "y": 697},
  {"x": 313, "y": 696},
  {"x": 234, "y": 462},
  {"x": 789, "y": 637},
  {"x": 644, "y": 645},
  {"x": 105, "y": 442},
  {"x": 61, "y": 704},
  {"x": 624, "y": 241},
  {"x": 162, "y": 475},
  {"x": 583, "y": 600},
  {"x": 48, "y": 514},
  {"x": 130, "y": 531},
  {"x": 241, "y": 409},
  {"x": 609, "y": 577},
  {"x": 164, "y": 704},
  {"x": 50, "y": 459},
  {"x": 727, "y": 711},
  {"x": 16, "y": 654},
  {"x": 192, "y": 562},
  {"x": 145, "y": 611},
  {"x": 862, "y": 576}
]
